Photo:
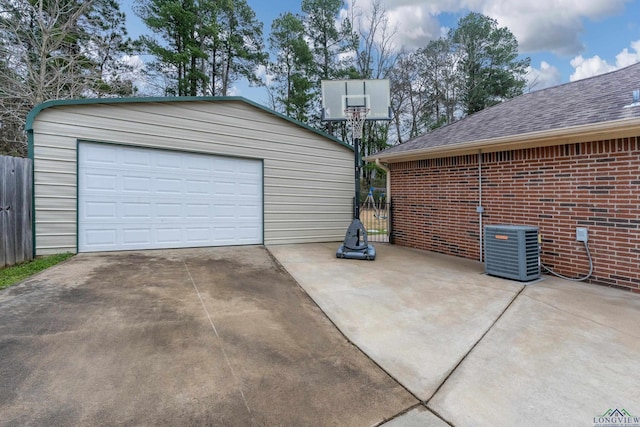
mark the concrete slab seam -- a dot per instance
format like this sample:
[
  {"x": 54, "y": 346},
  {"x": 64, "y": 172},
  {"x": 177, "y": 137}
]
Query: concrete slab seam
[
  {"x": 426, "y": 402},
  {"x": 406, "y": 411},
  {"x": 279, "y": 265},
  {"x": 215, "y": 330},
  {"x": 436, "y": 413},
  {"x": 399, "y": 414}
]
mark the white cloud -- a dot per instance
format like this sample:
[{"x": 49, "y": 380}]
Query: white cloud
[
  {"x": 414, "y": 22},
  {"x": 135, "y": 68},
  {"x": 550, "y": 25},
  {"x": 541, "y": 25},
  {"x": 626, "y": 58},
  {"x": 545, "y": 76},
  {"x": 415, "y": 26},
  {"x": 135, "y": 63},
  {"x": 263, "y": 74},
  {"x": 588, "y": 67}
]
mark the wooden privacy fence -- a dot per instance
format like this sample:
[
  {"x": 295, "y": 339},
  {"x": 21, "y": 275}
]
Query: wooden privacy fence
[{"x": 16, "y": 244}]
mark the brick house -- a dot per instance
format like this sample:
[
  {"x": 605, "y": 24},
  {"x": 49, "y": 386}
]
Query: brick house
[{"x": 559, "y": 158}]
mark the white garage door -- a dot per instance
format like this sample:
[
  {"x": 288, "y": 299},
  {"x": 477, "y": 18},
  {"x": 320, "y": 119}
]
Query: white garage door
[{"x": 139, "y": 198}]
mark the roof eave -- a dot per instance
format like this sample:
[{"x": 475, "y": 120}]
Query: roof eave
[
  {"x": 31, "y": 117},
  {"x": 569, "y": 135}
]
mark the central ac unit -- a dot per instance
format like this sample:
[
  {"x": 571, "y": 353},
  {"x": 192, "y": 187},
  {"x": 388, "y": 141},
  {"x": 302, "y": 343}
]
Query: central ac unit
[{"x": 512, "y": 252}]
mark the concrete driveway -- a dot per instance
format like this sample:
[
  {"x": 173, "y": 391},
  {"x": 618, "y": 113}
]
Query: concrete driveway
[
  {"x": 479, "y": 350},
  {"x": 216, "y": 336}
]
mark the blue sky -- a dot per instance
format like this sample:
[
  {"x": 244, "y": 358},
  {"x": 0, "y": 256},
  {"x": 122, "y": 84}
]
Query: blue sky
[{"x": 565, "y": 39}]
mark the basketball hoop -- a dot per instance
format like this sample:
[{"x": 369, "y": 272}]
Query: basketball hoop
[
  {"x": 356, "y": 101},
  {"x": 356, "y": 117}
]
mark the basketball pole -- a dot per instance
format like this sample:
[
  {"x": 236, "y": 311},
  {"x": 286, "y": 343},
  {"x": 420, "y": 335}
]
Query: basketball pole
[
  {"x": 356, "y": 146},
  {"x": 356, "y": 117},
  {"x": 350, "y": 100}
]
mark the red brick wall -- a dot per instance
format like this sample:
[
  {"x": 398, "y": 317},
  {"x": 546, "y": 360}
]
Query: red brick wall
[{"x": 594, "y": 185}]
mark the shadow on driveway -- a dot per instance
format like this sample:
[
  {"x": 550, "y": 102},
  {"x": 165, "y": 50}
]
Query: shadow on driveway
[{"x": 217, "y": 336}]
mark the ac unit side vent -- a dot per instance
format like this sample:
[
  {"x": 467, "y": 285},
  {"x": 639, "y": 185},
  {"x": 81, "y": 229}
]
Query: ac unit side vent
[{"x": 512, "y": 252}]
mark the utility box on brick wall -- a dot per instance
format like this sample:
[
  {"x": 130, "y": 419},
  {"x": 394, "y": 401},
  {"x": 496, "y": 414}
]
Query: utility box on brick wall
[{"x": 512, "y": 252}]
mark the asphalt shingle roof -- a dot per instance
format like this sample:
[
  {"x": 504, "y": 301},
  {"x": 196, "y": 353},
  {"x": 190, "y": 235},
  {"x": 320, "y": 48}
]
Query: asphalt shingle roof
[{"x": 585, "y": 102}]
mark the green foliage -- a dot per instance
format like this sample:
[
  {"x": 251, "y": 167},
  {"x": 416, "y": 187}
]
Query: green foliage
[
  {"x": 489, "y": 66},
  {"x": 294, "y": 61},
  {"x": 242, "y": 45},
  {"x": 17, "y": 273},
  {"x": 178, "y": 52},
  {"x": 474, "y": 67},
  {"x": 327, "y": 40},
  {"x": 202, "y": 47},
  {"x": 108, "y": 34}
]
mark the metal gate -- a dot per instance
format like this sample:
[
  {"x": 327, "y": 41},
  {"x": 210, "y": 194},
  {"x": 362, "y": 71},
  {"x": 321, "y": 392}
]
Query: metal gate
[{"x": 377, "y": 221}]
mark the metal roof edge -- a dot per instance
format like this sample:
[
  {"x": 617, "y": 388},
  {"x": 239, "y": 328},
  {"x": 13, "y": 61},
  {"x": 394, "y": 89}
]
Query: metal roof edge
[
  {"x": 31, "y": 117},
  {"x": 512, "y": 141}
]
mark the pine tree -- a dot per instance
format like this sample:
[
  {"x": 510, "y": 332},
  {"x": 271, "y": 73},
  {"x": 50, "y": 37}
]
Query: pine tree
[
  {"x": 490, "y": 69},
  {"x": 294, "y": 60}
]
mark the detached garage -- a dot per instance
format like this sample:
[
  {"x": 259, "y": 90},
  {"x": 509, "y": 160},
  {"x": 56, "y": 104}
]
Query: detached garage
[{"x": 151, "y": 173}]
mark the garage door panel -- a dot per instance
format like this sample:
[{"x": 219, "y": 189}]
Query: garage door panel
[
  {"x": 100, "y": 182},
  {"x": 156, "y": 199},
  {"x": 169, "y": 185},
  {"x": 226, "y": 235},
  {"x": 197, "y": 187},
  {"x": 198, "y": 211},
  {"x": 248, "y": 189},
  {"x": 135, "y": 210},
  {"x": 135, "y": 236},
  {"x": 165, "y": 235},
  {"x": 198, "y": 235},
  {"x": 198, "y": 165},
  {"x": 101, "y": 210},
  {"x": 225, "y": 166},
  {"x": 136, "y": 184},
  {"x": 99, "y": 157},
  {"x": 103, "y": 237},
  {"x": 169, "y": 211},
  {"x": 167, "y": 162},
  {"x": 137, "y": 158},
  {"x": 224, "y": 188},
  {"x": 250, "y": 212}
]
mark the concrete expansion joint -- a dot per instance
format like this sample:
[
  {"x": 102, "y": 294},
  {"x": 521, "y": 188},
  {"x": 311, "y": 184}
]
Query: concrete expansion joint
[
  {"x": 277, "y": 263},
  {"x": 399, "y": 414},
  {"x": 437, "y": 414},
  {"x": 426, "y": 402},
  {"x": 221, "y": 343}
]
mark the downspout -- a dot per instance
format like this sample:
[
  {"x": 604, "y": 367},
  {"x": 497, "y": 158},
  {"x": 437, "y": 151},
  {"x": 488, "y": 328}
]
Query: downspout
[
  {"x": 388, "y": 172},
  {"x": 480, "y": 209}
]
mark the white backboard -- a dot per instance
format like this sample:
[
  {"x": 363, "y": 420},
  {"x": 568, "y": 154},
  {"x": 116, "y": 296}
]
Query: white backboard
[{"x": 338, "y": 95}]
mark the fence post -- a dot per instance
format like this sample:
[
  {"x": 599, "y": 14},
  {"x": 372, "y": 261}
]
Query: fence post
[
  {"x": 15, "y": 210},
  {"x": 390, "y": 229}
]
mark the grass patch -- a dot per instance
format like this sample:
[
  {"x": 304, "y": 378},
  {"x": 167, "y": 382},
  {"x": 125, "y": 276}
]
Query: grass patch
[{"x": 14, "y": 274}]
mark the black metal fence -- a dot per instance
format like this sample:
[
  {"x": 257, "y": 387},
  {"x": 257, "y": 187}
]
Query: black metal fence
[
  {"x": 376, "y": 218},
  {"x": 16, "y": 245}
]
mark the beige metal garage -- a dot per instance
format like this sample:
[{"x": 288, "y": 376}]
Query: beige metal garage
[{"x": 145, "y": 173}]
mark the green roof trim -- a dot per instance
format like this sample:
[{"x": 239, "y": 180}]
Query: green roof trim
[{"x": 31, "y": 117}]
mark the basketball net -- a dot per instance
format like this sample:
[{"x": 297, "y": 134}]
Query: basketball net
[{"x": 356, "y": 117}]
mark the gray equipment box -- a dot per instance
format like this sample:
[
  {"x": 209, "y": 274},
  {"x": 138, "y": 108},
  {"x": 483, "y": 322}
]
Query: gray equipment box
[{"x": 512, "y": 252}]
